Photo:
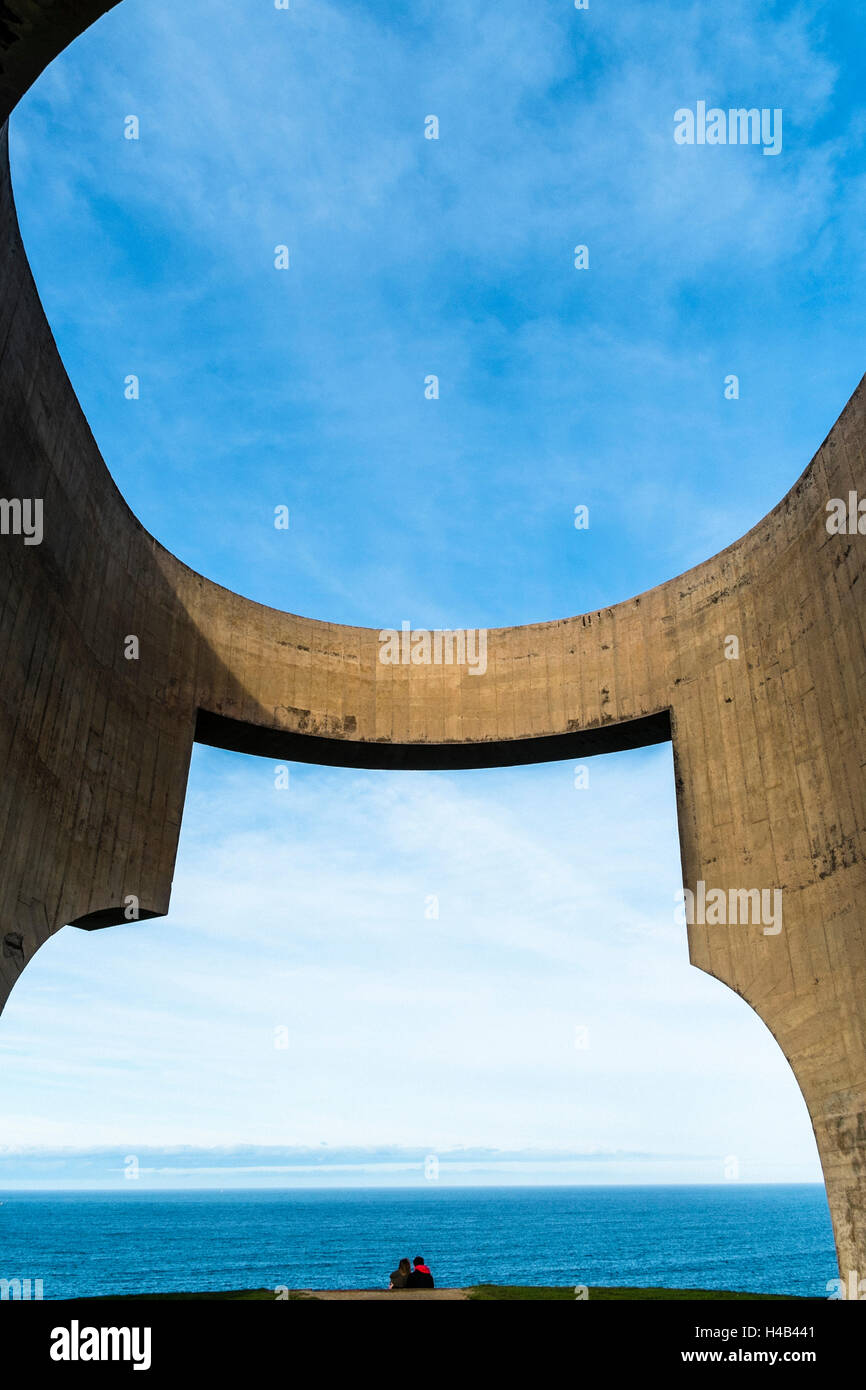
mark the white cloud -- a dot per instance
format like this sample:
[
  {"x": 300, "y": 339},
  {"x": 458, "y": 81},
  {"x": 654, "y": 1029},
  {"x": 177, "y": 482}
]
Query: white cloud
[{"x": 304, "y": 910}]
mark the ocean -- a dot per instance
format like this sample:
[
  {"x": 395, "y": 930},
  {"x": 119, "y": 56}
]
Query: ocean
[{"x": 759, "y": 1239}]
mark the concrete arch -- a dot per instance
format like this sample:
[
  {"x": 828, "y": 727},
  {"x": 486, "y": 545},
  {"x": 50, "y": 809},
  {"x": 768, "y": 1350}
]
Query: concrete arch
[{"x": 770, "y": 777}]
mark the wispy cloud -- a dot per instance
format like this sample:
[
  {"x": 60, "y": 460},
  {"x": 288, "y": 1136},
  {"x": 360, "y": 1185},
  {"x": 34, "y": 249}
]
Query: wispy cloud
[
  {"x": 454, "y": 257},
  {"x": 299, "y": 993}
]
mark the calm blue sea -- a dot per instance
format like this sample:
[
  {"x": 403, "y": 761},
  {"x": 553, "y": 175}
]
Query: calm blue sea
[{"x": 758, "y": 1239}]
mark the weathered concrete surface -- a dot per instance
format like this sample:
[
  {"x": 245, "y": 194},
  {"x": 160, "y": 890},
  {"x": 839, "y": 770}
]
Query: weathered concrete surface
[{"x": 769, "y": 749}]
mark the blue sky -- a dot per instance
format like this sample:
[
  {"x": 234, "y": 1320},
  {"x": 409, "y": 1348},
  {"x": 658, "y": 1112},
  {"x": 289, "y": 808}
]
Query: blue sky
[{"x": 558, "y": 387}]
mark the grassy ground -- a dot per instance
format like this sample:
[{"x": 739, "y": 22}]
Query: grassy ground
[
  {"x": 480, "y": 1293},
  {"x": 486, "y": 1292}
]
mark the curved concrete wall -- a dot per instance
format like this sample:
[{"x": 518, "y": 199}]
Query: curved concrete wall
[{"x": 771, "y": 790}]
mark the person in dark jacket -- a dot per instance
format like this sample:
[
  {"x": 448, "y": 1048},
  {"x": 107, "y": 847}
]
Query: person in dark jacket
[
  {"x": 420, "y": 1278},
  {"x": 400, "y": 1276}
]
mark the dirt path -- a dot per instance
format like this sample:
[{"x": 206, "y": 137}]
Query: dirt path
[{"x": 388, "y": 1296}]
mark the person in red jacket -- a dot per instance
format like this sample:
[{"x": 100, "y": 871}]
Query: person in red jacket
[{"x": 420, "y": 1278}]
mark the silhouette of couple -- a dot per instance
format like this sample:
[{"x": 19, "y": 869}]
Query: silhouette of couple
[{"x": 404, "y": 1277}]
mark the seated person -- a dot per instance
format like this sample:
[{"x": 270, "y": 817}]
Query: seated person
[
  {"x": 420, "y": 1278},
  {"x": 400, "y": 1276}
]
